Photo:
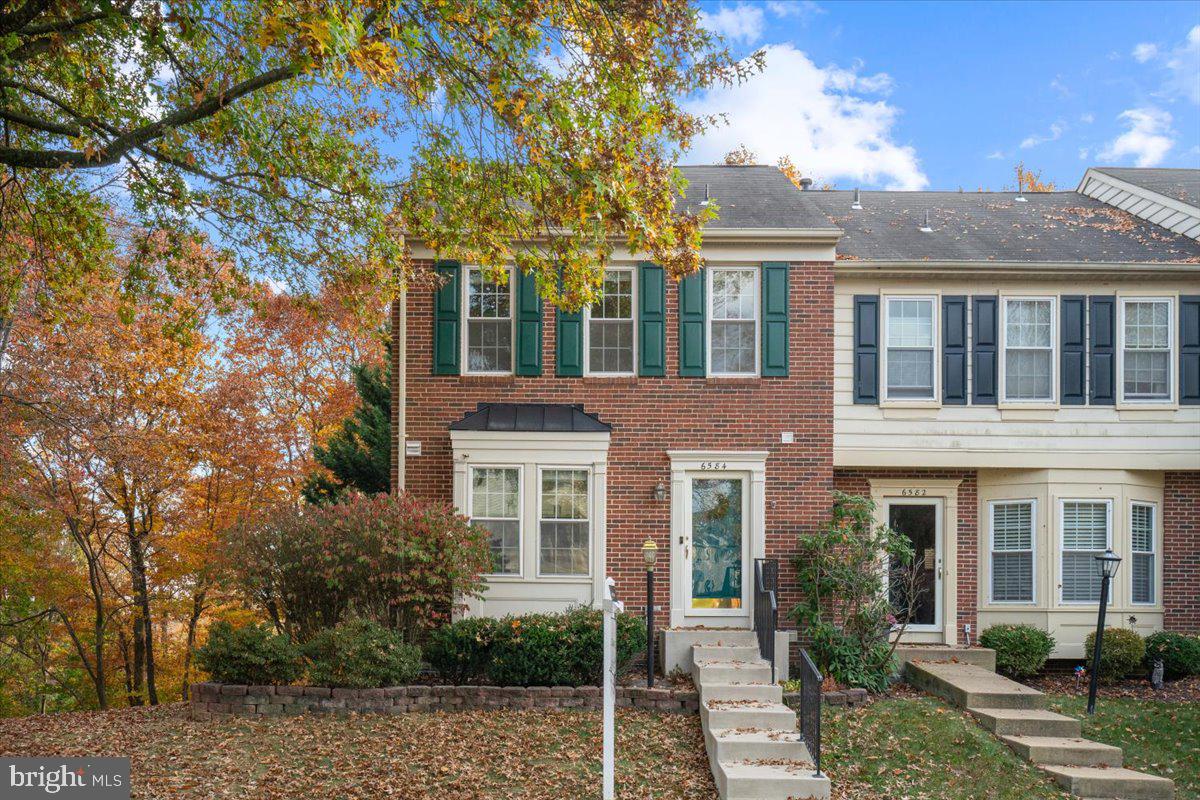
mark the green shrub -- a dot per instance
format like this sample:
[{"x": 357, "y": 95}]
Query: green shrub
[
  {"x": 251, "y": 655},
  {"x": 1021, "y": 650},
  {"x": 1122, "y": 654},
  {"x": 1180, "y": 654},
  {"x": 460, "y": 652},
  {"x": 361, "y": 654}
]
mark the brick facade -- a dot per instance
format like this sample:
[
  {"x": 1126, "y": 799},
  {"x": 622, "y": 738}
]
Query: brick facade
[
  {"x": 653, "y": 415},
  {"x": 1181, "y": 551}
]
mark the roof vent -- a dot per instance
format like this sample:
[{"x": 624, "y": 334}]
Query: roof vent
[
  {"x": 925, "y": 226},
  {"x": 805, "y": 183},
  {"x": 857, "y": 204},
  {"x": 706, "y": 201},
  {"x": 1020, "y": 198}
]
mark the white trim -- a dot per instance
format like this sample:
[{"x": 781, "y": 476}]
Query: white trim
[
  {"x": 1053, "y": 399},
  {"x": 939, "y": 549},
  {"x": 1033, "y": 537},
  {"x": 1170, "y": 399},
  {"x": 520, "y": 573},
  {"x": 633, "y": 323},
  {"x": 934, "y": 349},
  {"x": 538, "y": 519},
  {"x": 464, "y": 355},
  {"x": 1062, "y": 503},
  {"x": 1155, "y": 552},
  {"x": 709, "y": 271}
]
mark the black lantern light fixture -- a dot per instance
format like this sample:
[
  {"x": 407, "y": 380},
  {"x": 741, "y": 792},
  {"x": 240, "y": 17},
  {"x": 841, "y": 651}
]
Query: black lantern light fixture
[
  {"x": 1106, "y": 567},
  {"x": 649, "y": 558}
]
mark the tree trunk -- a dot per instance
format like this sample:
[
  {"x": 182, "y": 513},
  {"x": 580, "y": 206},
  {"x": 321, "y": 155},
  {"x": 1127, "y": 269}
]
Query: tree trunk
[
  {"x": 193, "y": 620},
  {"x": 123, "y": 643},
  {"x": 143, "y": 627}
]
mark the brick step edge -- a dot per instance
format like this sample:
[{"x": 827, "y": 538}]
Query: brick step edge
[{"x": 216, "y": 700}]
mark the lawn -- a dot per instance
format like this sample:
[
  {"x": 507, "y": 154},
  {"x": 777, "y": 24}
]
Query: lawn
[{"x": 1162, "y": 738}]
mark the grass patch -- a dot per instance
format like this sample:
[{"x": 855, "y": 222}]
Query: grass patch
[
  {"x": 536, "y": 755},
  {"x": 920, "y": 747},
  {"x": 1157, "y": 737}
]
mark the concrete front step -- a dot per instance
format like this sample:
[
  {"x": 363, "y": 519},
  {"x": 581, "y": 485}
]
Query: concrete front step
[
  {"x": 764, "y": 692},
  {"x": 745, "y": 744},
  {"x": 1108, "y": 782},
  {"x": 725, "y": 714},
  {"x": 969, "y": 686},
  {"x": 677, "y": 643},
  {"x": 713, "y": 672},
  {"x": 1027, "y": 722},
  {"x": 1062, "y": 751},
  {"x": 979, "y": 656},
  {"x": 724, "y": 652},
  {"x": 753, "y": 780}
]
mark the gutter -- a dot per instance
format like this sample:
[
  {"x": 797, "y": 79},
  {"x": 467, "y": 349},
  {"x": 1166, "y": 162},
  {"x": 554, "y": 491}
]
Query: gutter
[{"x": 1047, "y": 269}]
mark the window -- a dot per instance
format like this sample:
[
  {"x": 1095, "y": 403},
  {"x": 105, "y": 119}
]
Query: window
[
  {"x": 496, "y": 505},
  {"x": 1085, "y": 535},
  {"x": 1141, "y": 531},
  {"x": 489, "y": 324},
  {"x": 733, "y": 322},
  {"x": 909, "y": 356},
  {"x": 1029, "y": 350},
  {"x": 563, "y": 523},
  {"x": 1012, "y": 551},
  {"x": 1146, "y": 349},
  {"x": 611, "y": 326}
]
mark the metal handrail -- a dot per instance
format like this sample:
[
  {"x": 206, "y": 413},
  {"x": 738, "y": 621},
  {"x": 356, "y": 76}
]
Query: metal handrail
[
  {"x": 810, "y": 708},
  {"x": 766, "y": 607}
]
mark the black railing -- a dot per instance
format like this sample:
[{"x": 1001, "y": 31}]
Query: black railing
[
  {"x": 810, "y": 707},
  {"x": 766, "y": 607}
]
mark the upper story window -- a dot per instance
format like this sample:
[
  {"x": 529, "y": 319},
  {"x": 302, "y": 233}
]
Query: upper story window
[
  {"x": 733, "y": 321},
  {"x": 1142, "y": 570},
  {"x": 1146, "y": 349},
  {"x": 1086, "y": 533},
  {"x": 610, "y": 329},
  {"x": 1012, "y": 551},
  {"x": 496, "y": 505},
  {"x": 1028, "y": 361},
  {"x": 489, "y": 324},
  {"x": 563, "y": 525},
  {"x": 910, "y": 348}
]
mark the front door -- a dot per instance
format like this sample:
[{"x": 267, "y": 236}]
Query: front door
[
  {"x": 915, "y": 591},
  {"x": 716, "y": 545}
]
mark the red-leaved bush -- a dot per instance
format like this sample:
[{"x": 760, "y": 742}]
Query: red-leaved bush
[{"x": 401, "y": 561}]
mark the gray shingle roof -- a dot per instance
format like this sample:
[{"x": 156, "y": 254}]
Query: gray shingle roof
[
  {"x": 751, "y": 197},
  {"x": 1178, "y": 184},
  {"x": 992, "y": 226},
  {"x": 526, "y": 417}
]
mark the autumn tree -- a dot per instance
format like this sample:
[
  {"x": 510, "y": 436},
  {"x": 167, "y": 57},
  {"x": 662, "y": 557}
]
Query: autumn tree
[{"x": 1029, "y": 180}]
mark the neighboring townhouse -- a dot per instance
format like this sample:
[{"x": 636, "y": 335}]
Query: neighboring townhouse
[{"x": 1015, "y": 380}]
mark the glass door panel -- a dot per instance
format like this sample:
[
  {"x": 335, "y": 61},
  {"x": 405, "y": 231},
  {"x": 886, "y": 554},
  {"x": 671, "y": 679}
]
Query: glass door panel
[{"x": 717, "y": 535}]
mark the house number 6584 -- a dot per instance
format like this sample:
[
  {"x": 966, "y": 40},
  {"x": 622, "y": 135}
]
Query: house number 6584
[
  {"x": 707, "y": 465},
  {"x": 912, "y": 492}
]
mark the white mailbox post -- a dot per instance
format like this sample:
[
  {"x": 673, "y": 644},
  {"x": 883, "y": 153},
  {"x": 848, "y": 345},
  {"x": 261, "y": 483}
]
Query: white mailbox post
[{"x": 612, "y": 607}]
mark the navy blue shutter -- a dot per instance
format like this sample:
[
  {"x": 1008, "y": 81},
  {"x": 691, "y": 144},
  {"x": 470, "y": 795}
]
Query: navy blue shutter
[
  {"x": 866, "y": 349},
  {"x": 691, "y": 326},
  {"x": 1073, "y": 337},
  {"x": 985, "y": 328},
  {"x": 775, "y": 319},
  {"x": 652, "y": 323},
  {"x": 1189, "y": 350},
  {"x": 1103, "y": 312},
  {"x": 954, "y": 350}
]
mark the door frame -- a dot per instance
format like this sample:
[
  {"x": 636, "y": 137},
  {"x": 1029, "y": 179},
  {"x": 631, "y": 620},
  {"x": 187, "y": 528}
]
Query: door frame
[
  {"x": 939, "y": 548},
  {"x": 921, "y": 489},
  {"x": 751, "y": 466}
]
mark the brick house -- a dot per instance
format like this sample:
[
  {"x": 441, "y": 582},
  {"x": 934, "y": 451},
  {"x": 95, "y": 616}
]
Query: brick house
[{"x": 1014, "y": 380}]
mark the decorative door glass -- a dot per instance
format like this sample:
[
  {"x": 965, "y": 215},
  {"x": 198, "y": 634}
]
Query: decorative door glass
[{"x": 717, "y": 531}]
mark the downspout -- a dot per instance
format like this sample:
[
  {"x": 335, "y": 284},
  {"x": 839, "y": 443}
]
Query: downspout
[{"x": 399, "y": 367}]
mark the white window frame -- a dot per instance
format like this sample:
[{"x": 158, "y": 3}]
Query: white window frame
[
  {"x": 520, "y": 573},
  {"x": 1033, "y": 554},
  {"x": 1062, "y": 505},
  {"x": 587, "y": 328},
  {"x": 467, "y": 318},
  {"x": 708, "y": 321},
  {"x": 1153, "y": 551},
  {"x": 1171, "y": 355},
  {"x": 1053, "y": 399},
  {"x": 538, "y": 519},
  {"x": 935, "y": 397}
]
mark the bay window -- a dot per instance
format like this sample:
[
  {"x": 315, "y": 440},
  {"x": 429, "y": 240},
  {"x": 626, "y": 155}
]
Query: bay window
[
  {"x": 489, "y": 324},
  {"x": 563, "y": 523},
  {"x": 733, "y": 321},
  {"x": 1142, "y": 568},
  {"x": 1028, "y": 361},
  {"x": 1086, "y": 533},
  {"x": 496, "y": 505},
  {"x": 1146, "y": 349},
  {"x": 1012, "y": 551},
  {"x": 910, "y": 332}
]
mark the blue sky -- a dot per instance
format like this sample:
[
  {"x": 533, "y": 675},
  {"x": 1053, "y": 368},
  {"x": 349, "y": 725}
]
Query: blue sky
[{"x": 949, "y": 95}]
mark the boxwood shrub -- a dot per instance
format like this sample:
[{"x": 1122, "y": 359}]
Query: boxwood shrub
[
  {"x": 1180, "y": 654},
  {"x": 1123, "y": 653},
  {"x": 460, "y": 652},
  {"x": 1021, "y": 650},
  {"x": 252, "y": 655},
  {"x": 361, "y": 654}
]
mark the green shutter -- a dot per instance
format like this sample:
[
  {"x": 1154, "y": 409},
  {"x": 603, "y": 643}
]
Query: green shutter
[
  {"x": 447, "y": 316},
  {"x": 691, "y": 325},
  {"x": 652, "y": 321},
  {"x": 568, "y": 344},
  {"x": 775, "y": 319},
  {"x": 529, "y": 325}
]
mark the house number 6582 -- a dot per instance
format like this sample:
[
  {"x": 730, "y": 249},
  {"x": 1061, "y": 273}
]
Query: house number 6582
[
  {"x": 912, "y": 492},
  {"x": 707, "y": 465}
]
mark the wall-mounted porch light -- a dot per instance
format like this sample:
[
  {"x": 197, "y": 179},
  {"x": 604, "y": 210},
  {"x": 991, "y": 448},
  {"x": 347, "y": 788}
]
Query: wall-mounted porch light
[{"x": 660, "y": 491}]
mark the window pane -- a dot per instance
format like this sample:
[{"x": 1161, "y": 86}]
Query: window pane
[
  {"x": 1081, "y": 583},
  {"x": 505, "y": 544},
  {"x": 486, "y": 298},
  {"x": 617, "y": 302},
  {"x": 1147, "y": 325},
  {"x": 1085, "y": 526},
  {"x": 1142, "y": 528},
  {"x": 1027, "y": 324},
  {"x": 910, "y": 323},
  {"x": 733, "y": 294},
  {"x": 1012, "y": 526},
  {"x": 910, "y": 373},
  {"x": 489, "y": 345},
  {"x": 610, "y": 345},
  {"x": 564, "y": 494},
  {"x": 1027, "y": 374},
  {"x": 733, "y": 347},
  {"x": 1147, "y": 374},
  {"x": 1143, "y": 578},
  {"x": 564, "y": 548},
  {"x": 495, "y": 505},
  {"x": 1012, "y": 577}
]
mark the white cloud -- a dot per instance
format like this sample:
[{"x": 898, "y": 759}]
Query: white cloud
[
  {"x": 794, "y": 8},
  {"x": 1058, "y": 86},
  {"x": 1057, "y": 129},
  {"x": 1147, "y": 140},
  {"x": 816, "y": 116},
  {"x": 1087, "y": 119},
  {"x": 1084, "y": 153},
  {"x": 740, "y": 24},
  {"x": 1144, "y": 52},
  {"x": 996, "y": 155}
]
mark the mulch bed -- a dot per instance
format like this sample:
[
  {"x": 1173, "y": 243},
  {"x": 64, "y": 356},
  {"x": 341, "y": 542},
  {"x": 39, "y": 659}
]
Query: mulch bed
[{"x": 1185, "y": 690}]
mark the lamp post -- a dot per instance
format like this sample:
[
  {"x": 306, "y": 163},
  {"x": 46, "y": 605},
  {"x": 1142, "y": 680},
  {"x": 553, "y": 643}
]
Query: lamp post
[
  {"x": 649, "y": 556},
  {"x": 1107, "y": 566}
]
